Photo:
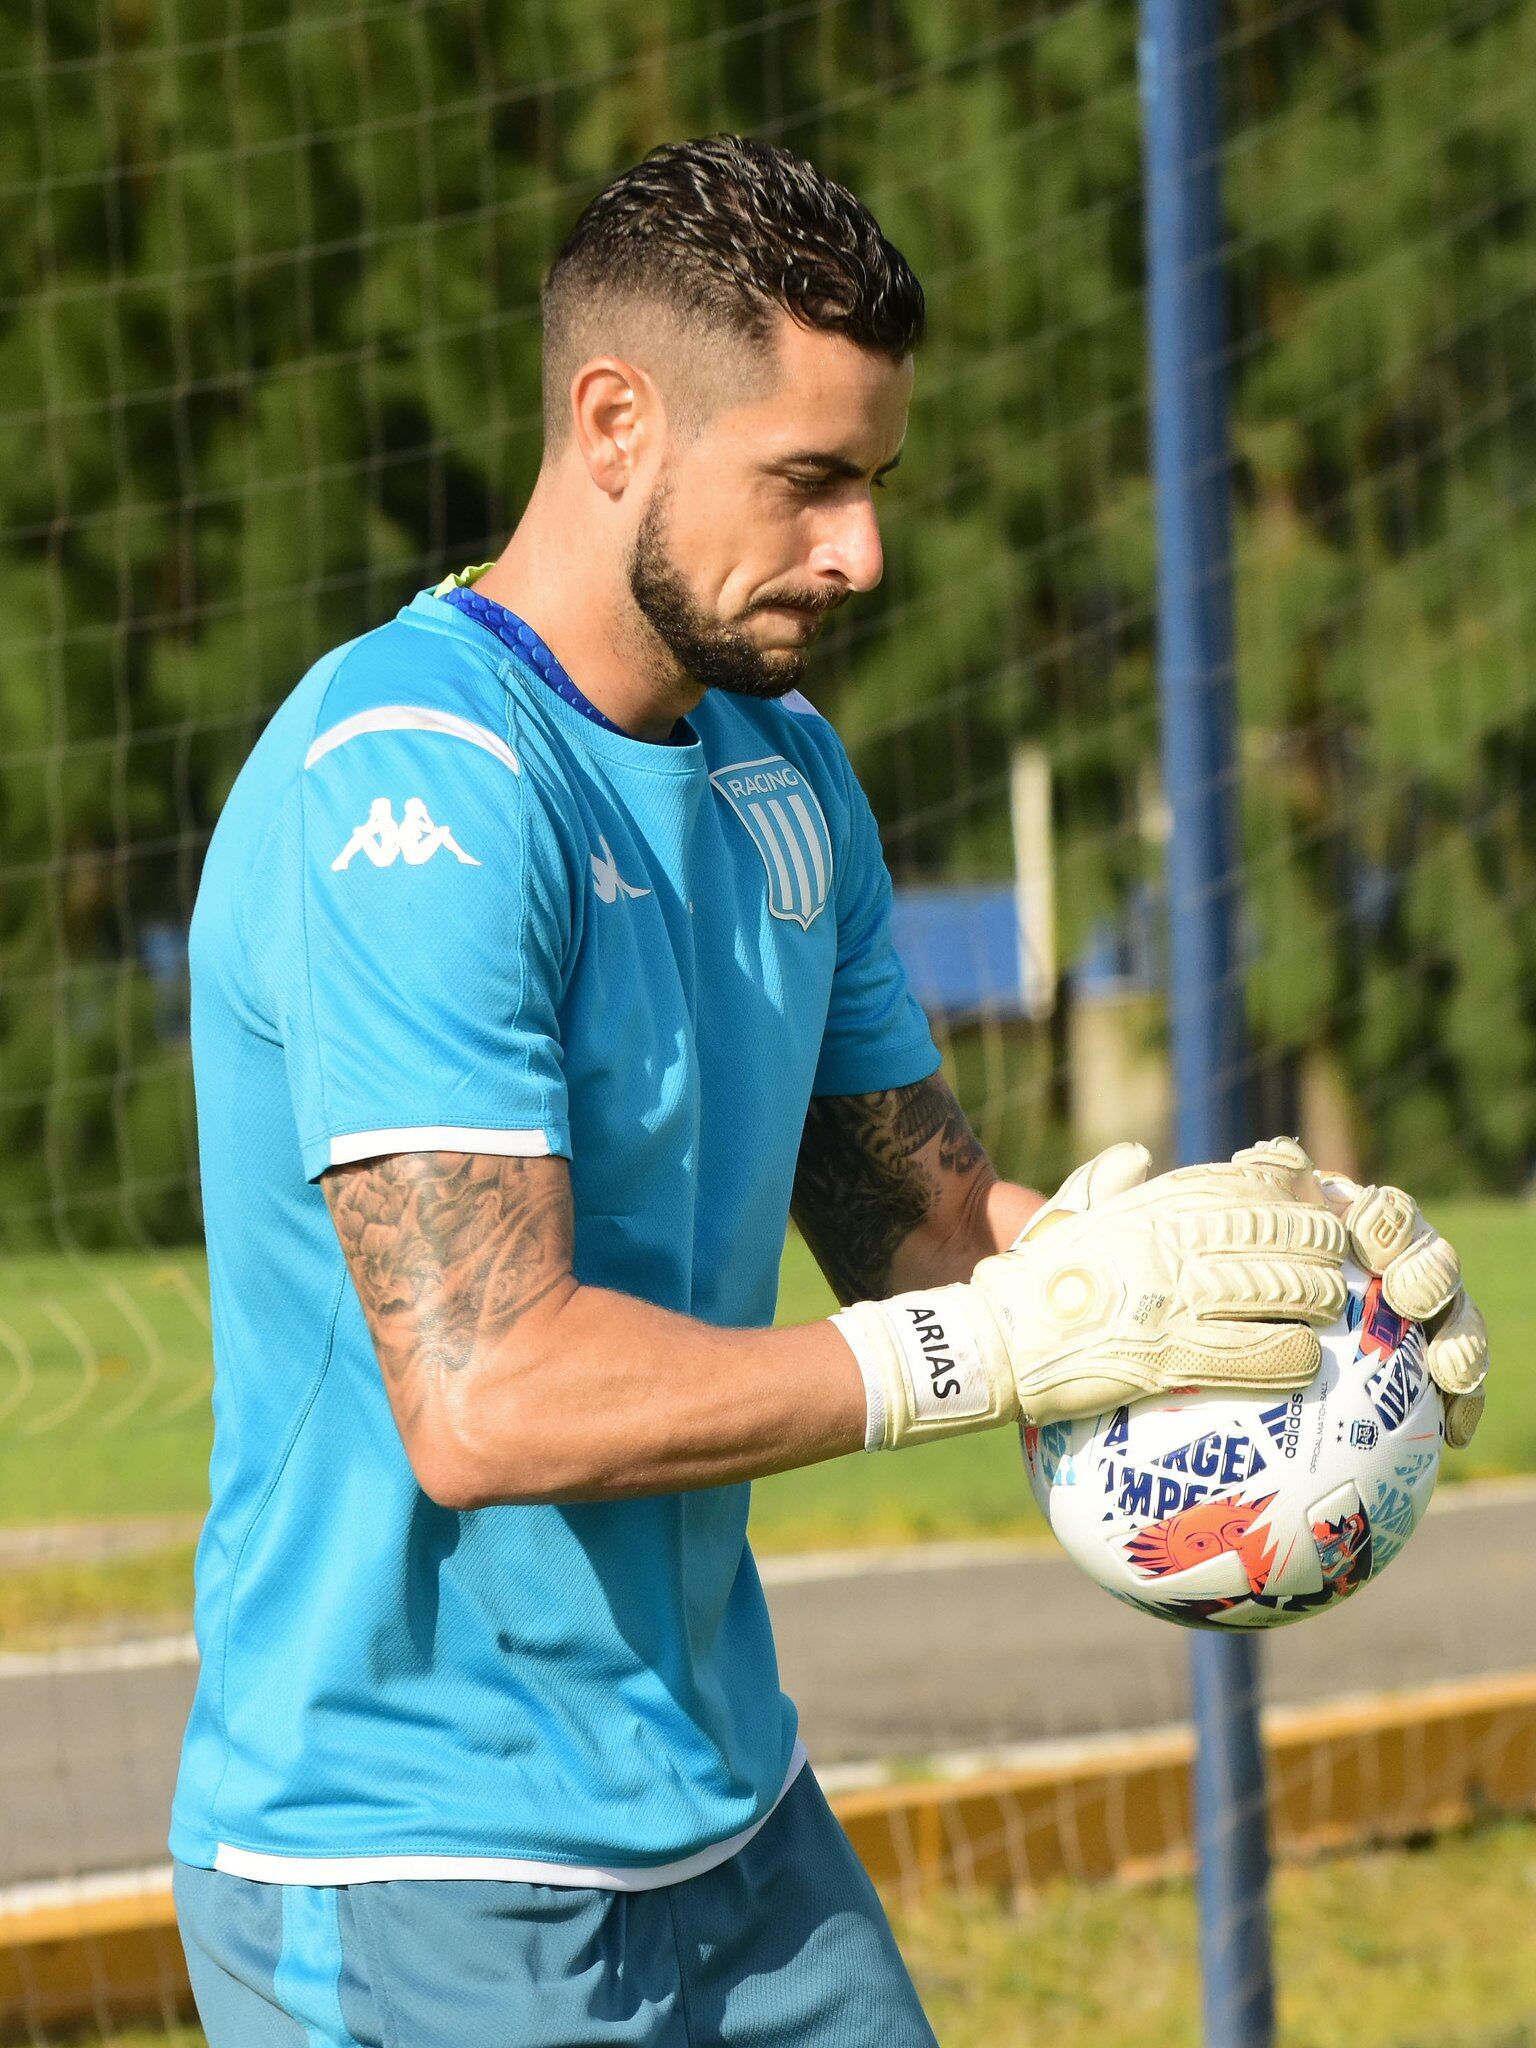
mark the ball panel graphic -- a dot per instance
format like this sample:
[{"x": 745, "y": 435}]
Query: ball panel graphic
[{"x": 1228, "y": 1510}]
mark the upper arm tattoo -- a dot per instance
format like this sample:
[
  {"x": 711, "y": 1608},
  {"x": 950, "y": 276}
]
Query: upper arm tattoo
[
  {"x": 448, "y": 1251},
  {"x": 875, "y": 1168}
]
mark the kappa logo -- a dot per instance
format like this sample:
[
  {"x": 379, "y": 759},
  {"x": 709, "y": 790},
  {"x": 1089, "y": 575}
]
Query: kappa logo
[
  {"x": 606, "y": 879},
  {"x": 785, "y": 822},
  {"x": 414, "y": 838}
]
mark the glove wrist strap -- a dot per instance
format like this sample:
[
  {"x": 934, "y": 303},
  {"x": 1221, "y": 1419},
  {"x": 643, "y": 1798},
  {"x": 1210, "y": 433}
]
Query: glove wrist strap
[{"x": 933, "y": 1364}]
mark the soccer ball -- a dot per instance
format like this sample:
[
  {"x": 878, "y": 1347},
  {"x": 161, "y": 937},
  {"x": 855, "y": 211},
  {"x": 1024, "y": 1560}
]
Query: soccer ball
[{"x": 1234, "y": 1510}]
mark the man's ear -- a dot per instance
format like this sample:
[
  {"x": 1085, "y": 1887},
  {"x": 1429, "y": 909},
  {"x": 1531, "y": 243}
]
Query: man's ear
[{"x": 615, "y": 410}]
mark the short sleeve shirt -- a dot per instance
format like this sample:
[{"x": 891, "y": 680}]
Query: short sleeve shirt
[{"x": 442, "y": 910}]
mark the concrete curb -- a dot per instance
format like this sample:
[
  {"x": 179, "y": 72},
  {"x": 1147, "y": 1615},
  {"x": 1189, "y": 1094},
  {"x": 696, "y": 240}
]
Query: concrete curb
[
  {"x": 1380, "y": 1768},
  {"x": 106, "y": 1956}
]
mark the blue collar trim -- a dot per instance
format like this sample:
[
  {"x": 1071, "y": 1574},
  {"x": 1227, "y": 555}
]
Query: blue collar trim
[{"x": 517, "y": 634}]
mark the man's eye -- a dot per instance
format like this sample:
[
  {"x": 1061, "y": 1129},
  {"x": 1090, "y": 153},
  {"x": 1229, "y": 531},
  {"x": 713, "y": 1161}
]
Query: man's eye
[{"x": 814, "y": 484}]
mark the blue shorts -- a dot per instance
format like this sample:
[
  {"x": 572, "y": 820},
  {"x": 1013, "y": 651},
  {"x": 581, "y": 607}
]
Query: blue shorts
[{"x": 783, "y": 1946}]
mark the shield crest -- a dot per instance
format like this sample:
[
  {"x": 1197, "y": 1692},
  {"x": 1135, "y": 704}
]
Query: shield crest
[{"x": 785, "y": 822}]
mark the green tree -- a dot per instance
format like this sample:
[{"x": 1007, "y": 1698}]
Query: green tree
[{"x": 268, "y": 362}]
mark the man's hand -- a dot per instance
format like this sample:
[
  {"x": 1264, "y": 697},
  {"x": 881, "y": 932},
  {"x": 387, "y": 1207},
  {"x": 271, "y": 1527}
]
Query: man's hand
[
  {"x": 1118, "y": 1288},
  {"x": 1420, "y": 1278}
]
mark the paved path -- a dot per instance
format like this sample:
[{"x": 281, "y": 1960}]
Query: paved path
[
  {"x": 93, "y": 1542},
  {"x": 915, "y": 1663},
  {"x": 905, "y": 1656}
]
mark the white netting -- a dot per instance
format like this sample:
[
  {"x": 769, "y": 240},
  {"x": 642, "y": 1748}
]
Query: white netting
[{"x": 268, "y": 363}]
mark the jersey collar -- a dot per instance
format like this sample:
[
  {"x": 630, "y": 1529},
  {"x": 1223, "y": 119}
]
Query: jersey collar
[{"x": 520, "y": 637}]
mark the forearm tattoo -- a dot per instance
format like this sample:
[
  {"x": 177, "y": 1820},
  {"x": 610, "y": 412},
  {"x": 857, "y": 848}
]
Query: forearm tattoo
[
  {"x": 873, "y": 1169},
  {"x": 448, "y": 1251}
]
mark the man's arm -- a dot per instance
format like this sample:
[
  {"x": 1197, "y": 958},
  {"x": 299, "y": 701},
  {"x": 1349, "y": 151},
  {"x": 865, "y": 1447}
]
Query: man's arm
[
  {"x": 893, "y": 1191},
  {"x": 510, "y": 1381}
]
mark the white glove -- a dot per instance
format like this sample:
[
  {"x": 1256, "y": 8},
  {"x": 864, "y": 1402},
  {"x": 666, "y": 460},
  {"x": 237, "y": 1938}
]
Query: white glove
[
  {"x": 1119, "y": 1287},
  {"x": 1420, "y": 1278}
]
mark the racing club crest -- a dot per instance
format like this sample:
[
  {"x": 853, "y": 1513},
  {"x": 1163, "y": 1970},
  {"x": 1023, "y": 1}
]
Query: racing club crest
[{"x": 780, "y": 812}]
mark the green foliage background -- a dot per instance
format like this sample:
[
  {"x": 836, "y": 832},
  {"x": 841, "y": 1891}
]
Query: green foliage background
[{"x": 268, "y": 362}]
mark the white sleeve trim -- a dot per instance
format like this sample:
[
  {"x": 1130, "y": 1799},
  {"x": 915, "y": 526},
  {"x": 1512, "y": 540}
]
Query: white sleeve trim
[
  {"x": 334, "y": 1870},
  {"x": 412, "y": 718},
  {"x": 354, "y": 1145}
]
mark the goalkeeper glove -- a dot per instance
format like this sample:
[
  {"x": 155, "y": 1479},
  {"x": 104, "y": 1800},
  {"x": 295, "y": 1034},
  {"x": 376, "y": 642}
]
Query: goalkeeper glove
[
  {"x": 1118, "y": 1288},
  {"x": 1420, "y": 1278}
]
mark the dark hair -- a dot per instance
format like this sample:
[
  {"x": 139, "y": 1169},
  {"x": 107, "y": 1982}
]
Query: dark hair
[{"x": 733, "y": 231}]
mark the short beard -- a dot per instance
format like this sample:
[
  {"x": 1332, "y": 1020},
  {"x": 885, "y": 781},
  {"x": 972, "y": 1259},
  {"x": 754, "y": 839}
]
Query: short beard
[{"x": 713, "y": 655}]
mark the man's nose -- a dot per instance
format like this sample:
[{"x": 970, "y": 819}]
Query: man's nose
[{"x": 851, "y": 548}]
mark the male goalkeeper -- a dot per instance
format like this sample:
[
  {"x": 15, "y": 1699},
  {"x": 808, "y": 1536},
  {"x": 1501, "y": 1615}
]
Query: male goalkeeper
[{"x": 541, "y": 962}]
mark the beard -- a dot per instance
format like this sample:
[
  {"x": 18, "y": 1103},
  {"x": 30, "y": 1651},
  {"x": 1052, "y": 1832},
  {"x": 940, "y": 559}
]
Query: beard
[{"x": 716, "y": 655}]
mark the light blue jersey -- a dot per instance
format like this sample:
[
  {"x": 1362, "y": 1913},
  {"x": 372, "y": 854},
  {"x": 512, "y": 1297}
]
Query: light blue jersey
[{"x": 444, "y": 910}]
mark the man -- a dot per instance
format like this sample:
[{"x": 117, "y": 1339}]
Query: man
[{"x": 501, "y": 1123}]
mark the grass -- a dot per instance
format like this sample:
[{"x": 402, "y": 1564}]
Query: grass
[
  {"x": 1422, "y": 1948},
  {"x": 104, "y": 1401},
  {"x": 46, "y": 1605},
  {"x": 104, "y": 1413},
  {"x": 104, "y": 1376}
]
